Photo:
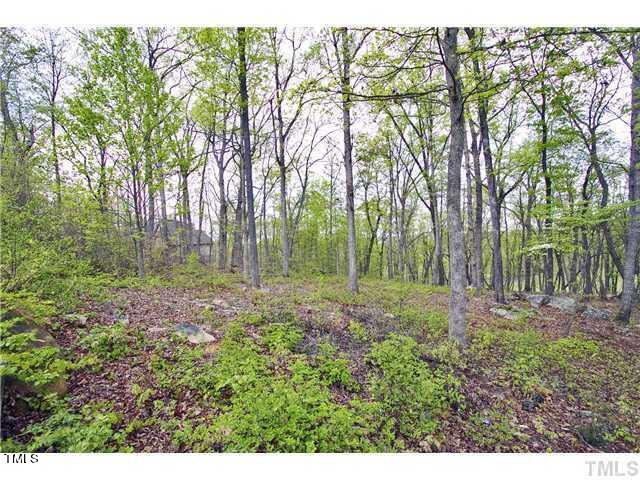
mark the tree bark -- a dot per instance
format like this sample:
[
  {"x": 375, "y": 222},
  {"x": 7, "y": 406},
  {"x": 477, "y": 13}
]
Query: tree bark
[
  {"x": 633, "y": 225},
  {"x": 494, "y": 206},
  {"x": 457, "y": 300},
  {"x": 348, "y": 166},
  {"x": 477, "y": 225},
  {"x": 254, "y": 272}
]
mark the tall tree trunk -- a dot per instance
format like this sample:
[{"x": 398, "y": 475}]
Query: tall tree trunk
[
  {"x": 604, "y": 201},
  {"x": 164, "y": 231},
  {"x": 222, "y": 208},
  {"x": 548, "y": 262},
  {"x": 282, "y": 168},
  {"x": 477, "y": 226},
  {"x": 633, "y": 225},
  {"x": 494, "y": 206},
  {"x": 528, "y": 271},
  {"x": 54, "y": 155},
  {"x": 457, "y": 300},
  {"x": 284, "y": 222},
  {"x": 187, "y": 225},
  {"x": 201, "y": 204},
  {"x": 345, "y": 78},
  {"x": 246, "y": 151},
  {"x": 469, "y": 214},
  {"x": 237, "y": 250}
]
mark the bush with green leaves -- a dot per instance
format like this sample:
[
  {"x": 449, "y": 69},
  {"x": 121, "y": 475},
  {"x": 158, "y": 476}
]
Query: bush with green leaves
[
  {"x": 184, "y": 366},
  {"x": 415, "y": 396},
  {"x": 91, "y": 430},
  {"x": 110, "y": 342},
  {"x": 290, "y": 411},
  {"x": 448, "y": 355},
  {"x": 357, "y": 331},
  {"x": 281, "y": 338},
  {"x": 494, "y": 429},
  {"x": 22, "y": 355},
  {"x": 333, "y": 369},
  {"x": 238, "y": 363},
  {"x": 296, "y": 414},
  {"x": 529, "y": 360},
  {"x": 422, "y": 323}
]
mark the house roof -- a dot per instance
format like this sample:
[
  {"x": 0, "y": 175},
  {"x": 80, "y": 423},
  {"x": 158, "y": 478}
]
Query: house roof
[{"x": 174, "y": 225}]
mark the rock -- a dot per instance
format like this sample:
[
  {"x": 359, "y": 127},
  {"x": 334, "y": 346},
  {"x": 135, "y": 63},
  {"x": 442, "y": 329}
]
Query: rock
[
  {"x": 76, "y": 319},
  {"x": 210, "y": 304},
  {"x": 566, "y": 304},
  {"x": 501, "y": 312},
  {"x": 121, "y": 317},
  {"x": 42, "y": 339},
  {"x": 537, "y": 301},
  {"x": 530, "y": 404},
  {"x": 194, "y": 334},
  {"x": 586, "y": 413},
  {"x": 597, "y": 313}
]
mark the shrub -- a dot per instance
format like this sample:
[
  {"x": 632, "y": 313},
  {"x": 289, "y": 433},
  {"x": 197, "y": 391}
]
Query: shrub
[
  {"x": 410, "y": 392},
  {"x": 449, "y": 355},
  {"x": 281, "y": 337},
  {"x": 491, "y": 429},
  {"x": 185, "y": 368},
  {"x": 20, "y": 355},
  {"x": 334, "y": 371},
  {"x": 238, "y": 362},
  {"x": 428, "y": 323},
  {"x": 109, "y": 342},
  {"x": 278, "y": 415},
  {"x": 528, "y": 359},
  {"x": 358, "y": 331},
  {"x": 91, "y": 430}
]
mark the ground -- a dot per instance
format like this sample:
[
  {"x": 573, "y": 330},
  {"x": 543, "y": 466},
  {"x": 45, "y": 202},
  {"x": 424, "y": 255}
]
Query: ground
[{"x": 302, "y": 365}]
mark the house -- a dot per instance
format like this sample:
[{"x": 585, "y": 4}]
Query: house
[{"x": 201, "y": 242}]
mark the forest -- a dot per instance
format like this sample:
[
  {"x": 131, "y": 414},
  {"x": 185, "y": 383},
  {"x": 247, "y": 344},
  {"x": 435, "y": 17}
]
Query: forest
[{"x": 337, "y": 239}]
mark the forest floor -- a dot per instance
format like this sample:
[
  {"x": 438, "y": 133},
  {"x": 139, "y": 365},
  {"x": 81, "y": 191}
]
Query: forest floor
[{"x": 302, "y": 365}]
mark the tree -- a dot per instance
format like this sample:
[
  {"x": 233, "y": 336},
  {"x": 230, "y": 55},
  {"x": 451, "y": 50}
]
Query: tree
[
  {"x": 345, "y": 50},
  {"x": 457, "y": 299},
  {"x": 494, "y": 207},
  {"x": 246, "y": 157}
]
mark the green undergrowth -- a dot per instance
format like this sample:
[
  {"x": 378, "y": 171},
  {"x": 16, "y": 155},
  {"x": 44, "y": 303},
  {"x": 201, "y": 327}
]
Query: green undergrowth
[
  {"x": 271, "y": 397},
  {"x": 27, "y": 352},
  {"x": 94, "y": 429},
  {"x": 311, "y": 368}
]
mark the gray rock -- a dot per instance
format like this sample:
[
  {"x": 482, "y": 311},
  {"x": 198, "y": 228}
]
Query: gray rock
[
  {"x": 216, "y": 302},
  {"x": 194, "y": 333},
  {"x": 597, "y": 313},
  {"x": 120, "y": 317},
  {"x": 41, "y": 338},
  {"x": 566, "y": 304},
  {"x": 76, "y": 319},
  {"x": 501, "y": 312},
  {"x": 537, "y": 301}
]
